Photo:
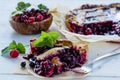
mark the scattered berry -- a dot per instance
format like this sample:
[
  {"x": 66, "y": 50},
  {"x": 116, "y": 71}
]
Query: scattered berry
[
  {"x": 23, "y": 64},
  {"x": 14, "y": 53}
]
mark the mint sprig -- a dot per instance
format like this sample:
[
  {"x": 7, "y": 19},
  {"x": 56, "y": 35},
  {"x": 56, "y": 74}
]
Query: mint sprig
[
  {"x": 42, "y": 7},
  {"x": 13, "y": 45},
  {"x": 46, "y": 39},
  {"x": 22, "y": 6}
]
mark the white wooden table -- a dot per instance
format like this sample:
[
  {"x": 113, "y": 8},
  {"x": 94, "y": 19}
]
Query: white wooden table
[{"x": 110, "y": 69}]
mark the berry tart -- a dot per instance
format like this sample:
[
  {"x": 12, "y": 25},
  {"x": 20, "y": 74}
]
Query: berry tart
[
  {"x": 27, "y": 20},
  {"x": 55, "y": 60},
  {"x": 94, "y": 20},
  {"x": 91, "y": 23}
]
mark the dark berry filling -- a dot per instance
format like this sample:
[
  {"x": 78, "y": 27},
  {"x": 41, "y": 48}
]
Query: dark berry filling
[
  {"x": 98, "y": 28},
  {"x": 29, "y": 16},
  {"x": 63, "y": 60}
]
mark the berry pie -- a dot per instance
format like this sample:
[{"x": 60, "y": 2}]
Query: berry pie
[{"x": 94, "y": 20}]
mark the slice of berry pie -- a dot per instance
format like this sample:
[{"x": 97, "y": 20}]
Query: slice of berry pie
[
  {"x": 58, "y": 59},
  {"x": 94, "y": 20},
  {"x": 51, "y": 56}
]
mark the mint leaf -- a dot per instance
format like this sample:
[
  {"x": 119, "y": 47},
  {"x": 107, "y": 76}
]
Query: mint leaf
[
  {"x": 21, "y": 48},
  {"x": 12, "y": 45},
  {"x": 54, "y": 35},
  {"x": 49, "y": 41},
  {"x": 42, "y": 7},
  {"x": 5, "y": 51},
  {"x": 22, "y": 6},
  {"x": 46, "y": 39},
  {"x": 27, "y": 5},
  {"x": 41, "y": 41}
]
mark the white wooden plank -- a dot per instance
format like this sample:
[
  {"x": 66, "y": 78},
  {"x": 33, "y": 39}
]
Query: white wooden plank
[{"x": 29, "y": 77}]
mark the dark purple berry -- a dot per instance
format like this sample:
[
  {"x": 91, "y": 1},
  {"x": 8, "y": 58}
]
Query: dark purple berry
[
  {"x": 23, "y": 64},
  {"x": 31, "y": 64}
]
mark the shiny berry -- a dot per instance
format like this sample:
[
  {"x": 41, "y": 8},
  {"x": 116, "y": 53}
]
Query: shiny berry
[
  {"x": 39, "y": 17},
  {"x": 23, "y": 64},
  {"x": 14, "y": 53},
  {"x": 32, "y": 19},
  {"x": 31, "y": 64}
]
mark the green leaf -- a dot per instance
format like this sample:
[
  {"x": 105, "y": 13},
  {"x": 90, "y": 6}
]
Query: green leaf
[
  {"x": 12, "y": 45},
  {"x": 54, "y": 35},
  {"x": 22, "y": 6},
  {"x": 21, "y": 3},
  {"x": 21, "y": 48},
  {"x": 27, "y": 5},
  {"x": 46, "y": 39},
  {"x": 42, "y": 7},
  {"x": 49, "y": 41},
  {"x": 41, "y": 40},
  {"x": 5, "y": 51}
]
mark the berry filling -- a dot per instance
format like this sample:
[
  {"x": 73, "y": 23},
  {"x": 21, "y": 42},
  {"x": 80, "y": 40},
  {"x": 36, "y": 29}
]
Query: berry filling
[
  {"x": 98, "y": 28},
  {"x": 61, "y": 61},
  {"x": 30, "y": 16}
]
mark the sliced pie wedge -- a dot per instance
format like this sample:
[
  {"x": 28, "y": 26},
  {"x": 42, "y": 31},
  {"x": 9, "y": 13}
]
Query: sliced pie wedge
[{"x": 58, "y": 60}]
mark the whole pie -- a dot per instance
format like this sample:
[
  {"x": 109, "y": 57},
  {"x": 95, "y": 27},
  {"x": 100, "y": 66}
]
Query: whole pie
[{"x": 94, "y": 20}]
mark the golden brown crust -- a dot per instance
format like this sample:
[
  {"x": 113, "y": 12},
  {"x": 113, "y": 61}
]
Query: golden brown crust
[
  {"x": 67, "y": 23},
  {"x": 63, "y": 42},
  {"x": 32, "y": 28},
  {"x": 115, "y": 5}
]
